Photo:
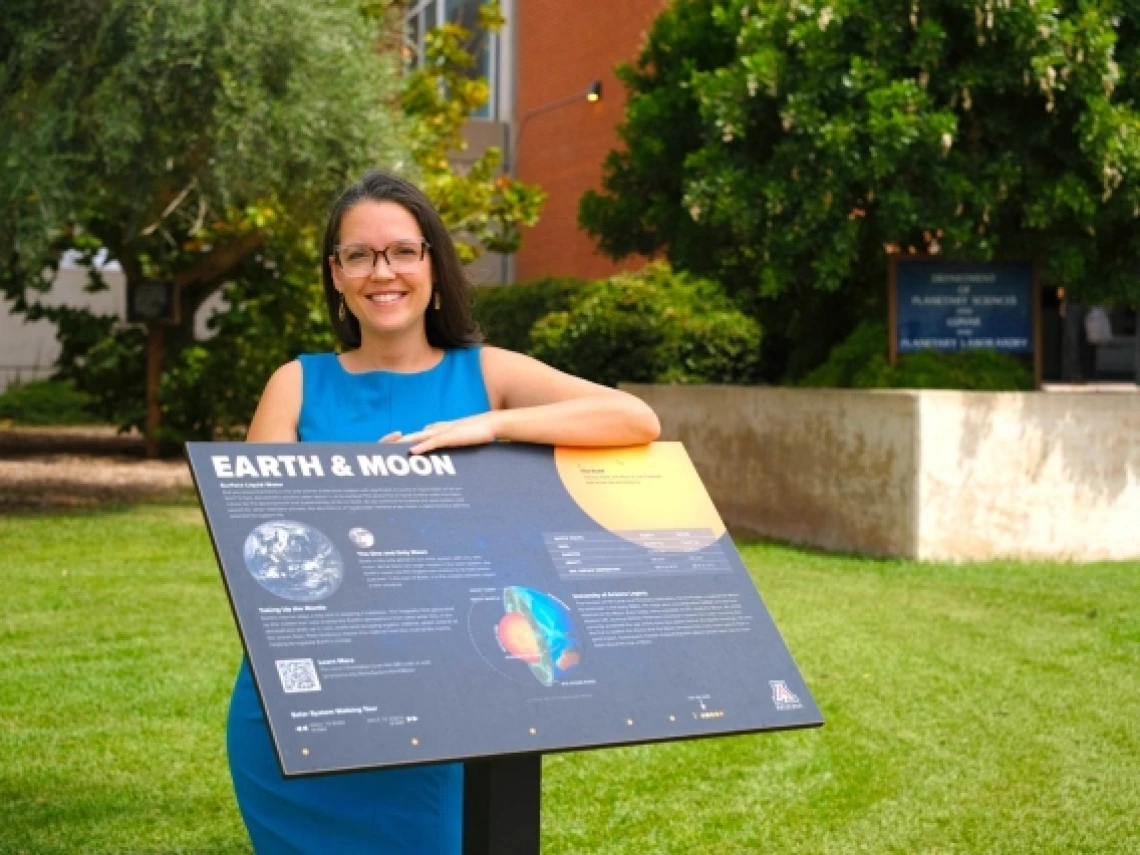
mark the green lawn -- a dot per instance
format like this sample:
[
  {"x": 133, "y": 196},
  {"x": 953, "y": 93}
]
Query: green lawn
[{"x": 981, "y": 708}]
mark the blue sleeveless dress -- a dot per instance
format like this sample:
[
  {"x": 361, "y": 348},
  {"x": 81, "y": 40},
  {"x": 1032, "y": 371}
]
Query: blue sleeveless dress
[{"x": 416, "y": 811}]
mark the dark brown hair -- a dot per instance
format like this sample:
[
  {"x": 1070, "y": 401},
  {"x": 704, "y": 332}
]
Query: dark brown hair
[{"x": 452, "y": 324}]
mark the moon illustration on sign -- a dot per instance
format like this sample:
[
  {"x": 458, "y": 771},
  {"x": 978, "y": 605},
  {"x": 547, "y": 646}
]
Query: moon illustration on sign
[
  {"x": 361, "y": 538},
  {"x": 293, "y": 561}
]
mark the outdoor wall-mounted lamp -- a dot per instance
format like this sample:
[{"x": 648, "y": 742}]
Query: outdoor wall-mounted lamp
[{"x": 593, "y": 93}]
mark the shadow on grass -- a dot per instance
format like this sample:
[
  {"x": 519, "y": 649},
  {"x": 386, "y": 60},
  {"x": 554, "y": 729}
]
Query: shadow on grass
[
  {"x": 746, "y": 541},
  {"x": 86, "y": 816},
  {"x": 85, "y": 499}
]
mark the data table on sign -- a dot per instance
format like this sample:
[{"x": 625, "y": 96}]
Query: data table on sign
[{"x": 604, "y": 555}]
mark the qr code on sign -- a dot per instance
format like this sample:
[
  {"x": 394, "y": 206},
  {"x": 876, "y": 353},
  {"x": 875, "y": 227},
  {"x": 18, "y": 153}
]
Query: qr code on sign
[{"x": 298, "y": 675}]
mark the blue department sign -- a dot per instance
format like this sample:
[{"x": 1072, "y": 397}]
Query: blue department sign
[{"x": 948, "y": 307}]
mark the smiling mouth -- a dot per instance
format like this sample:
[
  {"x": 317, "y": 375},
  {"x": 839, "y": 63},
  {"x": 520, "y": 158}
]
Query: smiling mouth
[{"x": 386, "y": 297}]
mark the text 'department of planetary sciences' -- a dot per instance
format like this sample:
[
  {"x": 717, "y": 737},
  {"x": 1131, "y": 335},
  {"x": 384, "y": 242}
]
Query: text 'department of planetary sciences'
[{"x": 950, "y": 307}]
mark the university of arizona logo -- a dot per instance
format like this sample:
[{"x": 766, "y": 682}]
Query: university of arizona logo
[{"x": 783, "y": 697}]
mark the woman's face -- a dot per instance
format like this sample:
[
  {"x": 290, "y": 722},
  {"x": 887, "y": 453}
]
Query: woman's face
[{"x": 386, "y": 302}]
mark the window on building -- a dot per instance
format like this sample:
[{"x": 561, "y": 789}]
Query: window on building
[{"x": 425, "y": 15}]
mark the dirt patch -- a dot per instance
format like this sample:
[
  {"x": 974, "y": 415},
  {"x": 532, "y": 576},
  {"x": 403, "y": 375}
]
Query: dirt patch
[{"x": 49, "y": 468}]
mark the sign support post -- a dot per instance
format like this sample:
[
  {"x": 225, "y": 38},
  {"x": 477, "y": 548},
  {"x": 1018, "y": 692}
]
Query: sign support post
[
  {"x": 155, "y": 304},
  {"x": 153, "y": 382},
  {"x": 502, "y": 805}
]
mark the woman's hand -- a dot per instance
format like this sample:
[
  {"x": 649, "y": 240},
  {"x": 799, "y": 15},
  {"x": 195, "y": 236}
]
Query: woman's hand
[{"x": 473, "y": 430}]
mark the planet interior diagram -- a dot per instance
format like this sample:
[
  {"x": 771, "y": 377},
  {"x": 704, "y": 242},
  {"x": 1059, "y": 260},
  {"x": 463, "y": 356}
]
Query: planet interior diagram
[{"x": 537, "y": 629}]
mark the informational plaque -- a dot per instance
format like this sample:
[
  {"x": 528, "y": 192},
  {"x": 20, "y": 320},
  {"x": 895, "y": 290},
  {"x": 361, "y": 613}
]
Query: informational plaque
[
  {"x": 400, "y": 609},
  {"x": 949, "y": 306},
  {"x": 152, "y": 301}
]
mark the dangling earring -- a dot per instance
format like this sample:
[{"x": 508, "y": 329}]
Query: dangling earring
[
  {"x": 437, "y": 301},
  {"x": 340, "y": 312}
]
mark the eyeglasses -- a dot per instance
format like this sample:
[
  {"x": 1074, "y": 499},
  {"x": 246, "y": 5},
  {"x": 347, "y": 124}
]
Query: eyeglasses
[{"x": 358, "y": 259}]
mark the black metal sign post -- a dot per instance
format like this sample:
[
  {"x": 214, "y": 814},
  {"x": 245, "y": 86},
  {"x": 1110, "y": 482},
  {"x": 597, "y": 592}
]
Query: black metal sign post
[{"x": 502, "y": 799}]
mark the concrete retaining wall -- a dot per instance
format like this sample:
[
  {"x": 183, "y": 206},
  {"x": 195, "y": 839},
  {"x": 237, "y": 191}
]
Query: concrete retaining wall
[{"x": 921, "y": 474}]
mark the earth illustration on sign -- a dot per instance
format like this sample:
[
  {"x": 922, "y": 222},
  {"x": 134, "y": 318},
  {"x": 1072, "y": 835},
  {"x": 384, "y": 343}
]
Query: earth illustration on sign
[
  {"x": 537, "y": 630},
  {"x": 293, "y": 561}
]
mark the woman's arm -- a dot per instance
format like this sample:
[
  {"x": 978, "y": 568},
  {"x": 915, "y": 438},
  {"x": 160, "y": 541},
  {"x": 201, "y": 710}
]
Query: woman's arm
[
  {"x": 279, "y": 407},
  {"x": 532, "y": 402}
]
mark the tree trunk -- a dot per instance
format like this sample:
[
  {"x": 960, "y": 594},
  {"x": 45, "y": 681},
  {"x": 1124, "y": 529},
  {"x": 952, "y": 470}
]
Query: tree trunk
[{"x": 195, "y": 285}]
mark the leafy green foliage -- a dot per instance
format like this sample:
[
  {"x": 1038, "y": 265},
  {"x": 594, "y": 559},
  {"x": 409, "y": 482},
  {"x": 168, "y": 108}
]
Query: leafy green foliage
[
  {"x": 507, "y": 313},
  {"x": 275, "y": 312},
  {"x": 860, "y": 362},
  {"x": 481, "y": 208},
  {"x": 655, "y": 326},
  {"x": 46, "y": 402},
  {"x": 785, "y": 148},
  {"x": 104, "y": 359},
  {"x": 177, "y": 135}
]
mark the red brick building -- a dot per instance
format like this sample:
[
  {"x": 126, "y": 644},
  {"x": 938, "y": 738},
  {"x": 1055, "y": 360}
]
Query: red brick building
[
  {"x": 541, "y": 68},
  {"x": 562, "y": 46}
]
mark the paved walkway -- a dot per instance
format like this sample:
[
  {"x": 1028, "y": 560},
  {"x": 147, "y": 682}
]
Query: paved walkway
[{"x": 59, "y": 468}]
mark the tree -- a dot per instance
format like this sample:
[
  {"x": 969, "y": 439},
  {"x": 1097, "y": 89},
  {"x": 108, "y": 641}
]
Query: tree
[
  {"x": 787, "y": 148},
  {"x": 178, "y": 136},
  {"x": 205, "y": 145}
]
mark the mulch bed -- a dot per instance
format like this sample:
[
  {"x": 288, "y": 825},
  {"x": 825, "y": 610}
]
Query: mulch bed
[{"x": 82, "y": 467}]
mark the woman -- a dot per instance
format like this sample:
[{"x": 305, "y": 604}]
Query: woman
[{"x": 411, "y": 372}]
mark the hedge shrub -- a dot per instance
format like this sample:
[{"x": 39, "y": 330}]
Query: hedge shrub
[
  {"x": 46, "y": 402},
  {"x": 653, "y": 326},
  {"x": 507, "y": 313},
  {"x": 860, "y": 362}
]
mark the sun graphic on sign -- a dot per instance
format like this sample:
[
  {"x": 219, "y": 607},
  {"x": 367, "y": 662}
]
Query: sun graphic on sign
[{"x": 622, "y": 490}]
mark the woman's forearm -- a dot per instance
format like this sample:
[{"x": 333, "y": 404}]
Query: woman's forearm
[{"x": 589, "y": 421}]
